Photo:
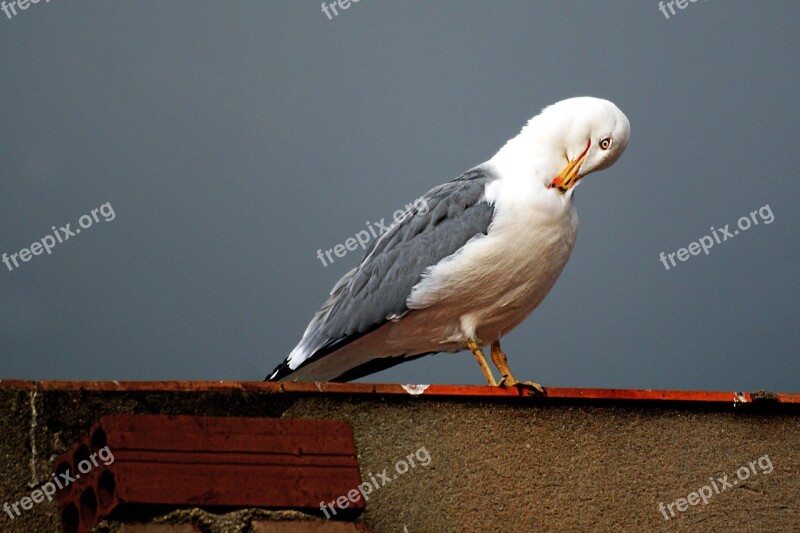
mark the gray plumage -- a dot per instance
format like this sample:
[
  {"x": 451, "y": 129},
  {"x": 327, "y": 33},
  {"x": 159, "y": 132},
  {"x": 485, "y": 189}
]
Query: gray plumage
[{"x": 377, "y": 290}]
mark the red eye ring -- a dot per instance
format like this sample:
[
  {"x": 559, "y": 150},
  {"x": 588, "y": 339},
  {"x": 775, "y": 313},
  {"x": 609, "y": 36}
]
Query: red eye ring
[{"x": 605, "y": 144}]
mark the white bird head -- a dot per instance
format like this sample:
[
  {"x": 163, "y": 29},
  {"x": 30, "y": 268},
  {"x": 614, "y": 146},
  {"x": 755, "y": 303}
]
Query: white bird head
[{"x": 569, "y": 140}]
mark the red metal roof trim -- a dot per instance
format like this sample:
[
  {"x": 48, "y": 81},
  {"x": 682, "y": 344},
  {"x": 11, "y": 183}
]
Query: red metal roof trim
[{"x": 466, "y": 391}]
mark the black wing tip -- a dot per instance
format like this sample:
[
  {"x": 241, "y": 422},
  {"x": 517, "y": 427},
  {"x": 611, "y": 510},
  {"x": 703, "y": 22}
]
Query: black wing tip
[{"x": 280, "y": 372}]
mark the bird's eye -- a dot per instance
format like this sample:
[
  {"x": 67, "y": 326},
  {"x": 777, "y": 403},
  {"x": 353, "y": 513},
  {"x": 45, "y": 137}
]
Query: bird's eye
[{"x": 605, "y": 144}]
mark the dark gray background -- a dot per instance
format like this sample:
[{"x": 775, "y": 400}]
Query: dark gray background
[{"x": 234, "y": 139}]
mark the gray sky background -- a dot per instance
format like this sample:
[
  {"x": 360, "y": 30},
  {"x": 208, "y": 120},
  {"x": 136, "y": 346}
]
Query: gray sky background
[{"x": 234, "y": 139}]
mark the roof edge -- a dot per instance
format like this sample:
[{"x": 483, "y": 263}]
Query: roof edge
[{"x": 468, "y": 391}]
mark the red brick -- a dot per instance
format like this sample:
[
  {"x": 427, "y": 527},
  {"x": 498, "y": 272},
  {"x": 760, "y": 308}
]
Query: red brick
[{"x": 212, "y": 462}]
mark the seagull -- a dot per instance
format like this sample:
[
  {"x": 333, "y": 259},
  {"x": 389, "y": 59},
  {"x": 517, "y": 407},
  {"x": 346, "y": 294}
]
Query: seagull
[{"x": 466, "y": 265}]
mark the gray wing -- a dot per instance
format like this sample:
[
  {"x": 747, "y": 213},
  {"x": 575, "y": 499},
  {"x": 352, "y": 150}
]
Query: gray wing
[{"x": 378, "y": 288}]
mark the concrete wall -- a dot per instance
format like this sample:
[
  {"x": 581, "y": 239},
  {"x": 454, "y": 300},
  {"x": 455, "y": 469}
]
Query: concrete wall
[{"x": 497, "y": 461}]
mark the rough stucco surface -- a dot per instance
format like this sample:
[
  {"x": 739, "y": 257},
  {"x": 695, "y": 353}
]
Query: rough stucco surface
[{"x": 506, "y": 464}]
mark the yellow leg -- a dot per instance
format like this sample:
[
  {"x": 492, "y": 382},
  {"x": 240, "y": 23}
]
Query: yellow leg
[
  {"x": 508, "y": 379},
  {"x": 477, "y": 350}
]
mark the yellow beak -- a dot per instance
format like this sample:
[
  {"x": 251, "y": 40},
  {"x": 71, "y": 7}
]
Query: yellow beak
[{"x": 568, "y": 177}]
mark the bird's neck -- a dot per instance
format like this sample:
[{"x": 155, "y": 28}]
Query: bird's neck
[{"x": 528, "y": 157}]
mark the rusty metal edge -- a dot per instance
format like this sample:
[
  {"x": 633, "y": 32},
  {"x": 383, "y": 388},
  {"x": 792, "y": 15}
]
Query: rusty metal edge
[{"x": 465, "y": 391}]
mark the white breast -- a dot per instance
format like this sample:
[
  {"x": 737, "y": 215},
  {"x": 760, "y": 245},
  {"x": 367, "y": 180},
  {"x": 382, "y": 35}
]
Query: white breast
[{"x": 496, "y": 280}]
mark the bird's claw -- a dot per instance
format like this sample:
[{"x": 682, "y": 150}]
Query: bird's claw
[{"x": 535, "y": 388}]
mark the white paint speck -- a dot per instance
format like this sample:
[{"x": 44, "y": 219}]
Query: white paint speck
[{"x": 415, "y": 390}]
